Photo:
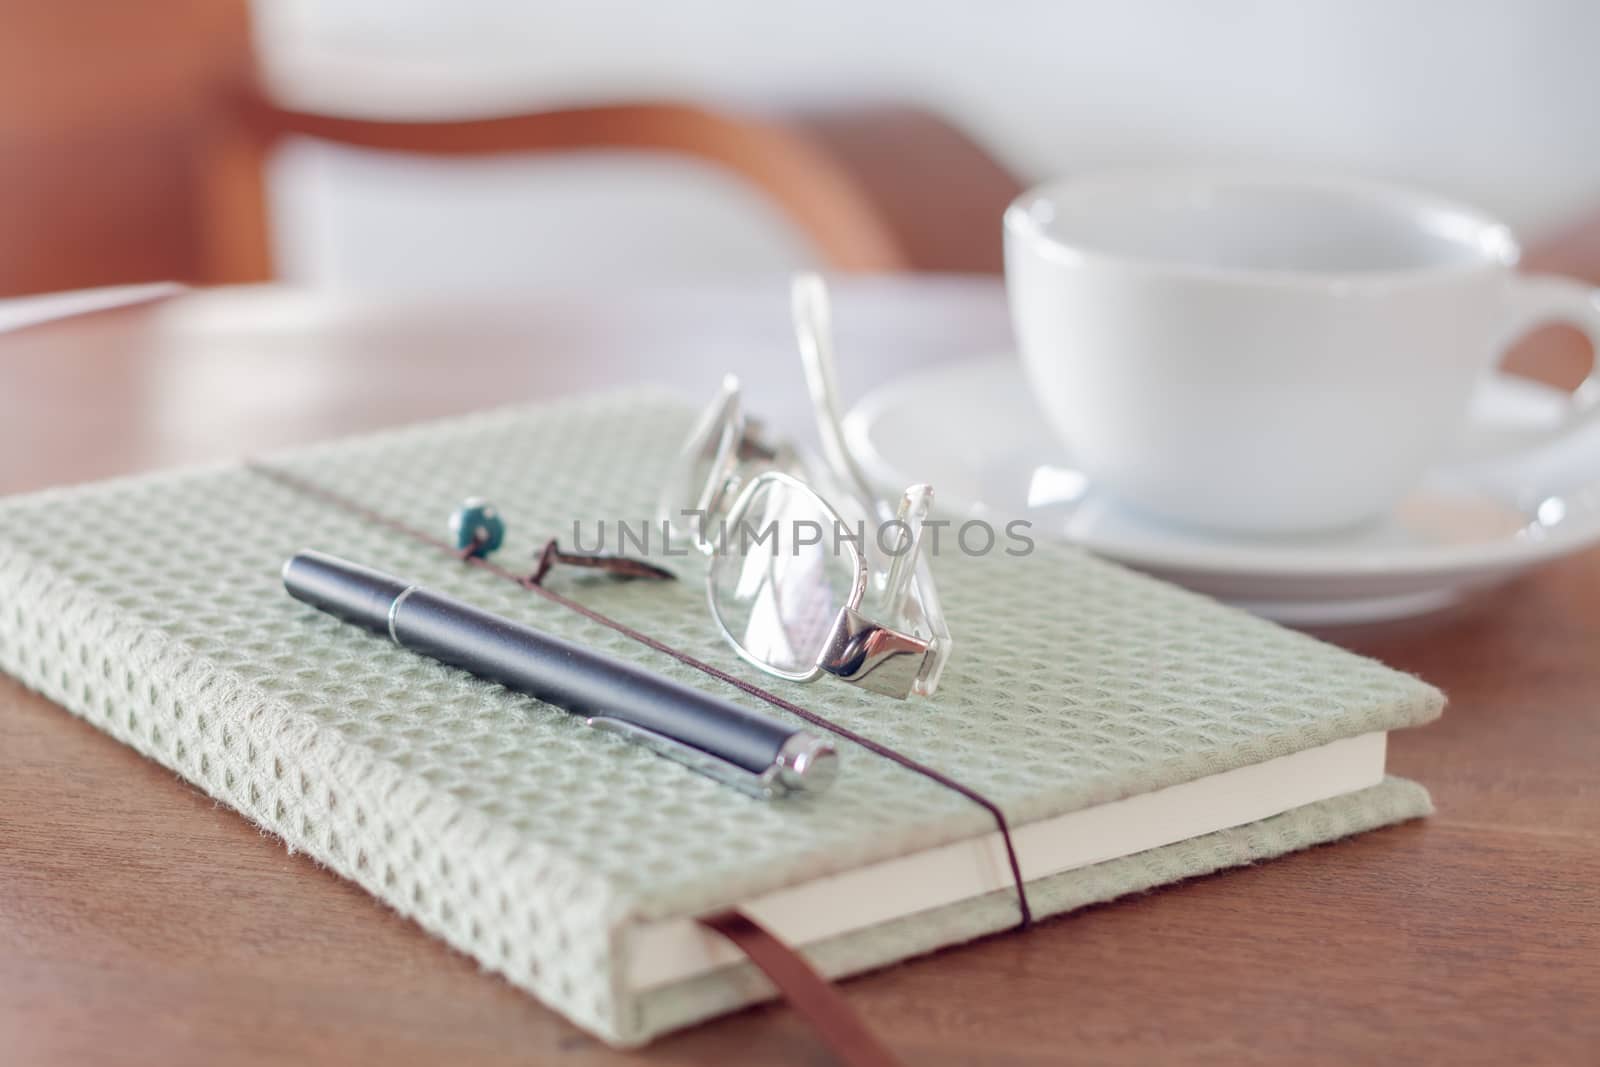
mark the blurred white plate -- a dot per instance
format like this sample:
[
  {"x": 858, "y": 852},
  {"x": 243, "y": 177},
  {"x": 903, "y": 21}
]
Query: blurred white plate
[{"x": 973, "y": 432}]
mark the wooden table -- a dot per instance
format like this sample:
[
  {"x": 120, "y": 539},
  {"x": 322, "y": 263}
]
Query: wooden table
[{"x": 142, "y": 923}]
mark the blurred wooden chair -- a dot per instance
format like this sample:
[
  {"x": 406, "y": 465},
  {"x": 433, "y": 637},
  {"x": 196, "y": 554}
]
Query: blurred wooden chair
[{"x": 886, "y": 189}]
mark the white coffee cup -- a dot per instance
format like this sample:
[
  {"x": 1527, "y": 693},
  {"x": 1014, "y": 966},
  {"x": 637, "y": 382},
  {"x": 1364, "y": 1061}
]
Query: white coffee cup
[{"x": 1262, "y": 353}]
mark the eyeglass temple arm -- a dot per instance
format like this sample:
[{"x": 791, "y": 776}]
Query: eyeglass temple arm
[
  {"x": 914, "y": 507},
  {"x": 813, "y": 326}
]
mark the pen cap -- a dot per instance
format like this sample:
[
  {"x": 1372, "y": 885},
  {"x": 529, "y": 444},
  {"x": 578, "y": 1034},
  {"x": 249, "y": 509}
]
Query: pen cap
[{"x": 348, "y": 590}]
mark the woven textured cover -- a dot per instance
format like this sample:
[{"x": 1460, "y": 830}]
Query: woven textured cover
[{"x": 153, "y": 607}]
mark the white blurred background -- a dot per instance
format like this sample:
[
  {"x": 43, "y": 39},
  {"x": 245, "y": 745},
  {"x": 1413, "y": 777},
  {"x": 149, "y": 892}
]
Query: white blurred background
[
  {"x": 1492, "y": 101},
  {"x": 108, "y": 117}
]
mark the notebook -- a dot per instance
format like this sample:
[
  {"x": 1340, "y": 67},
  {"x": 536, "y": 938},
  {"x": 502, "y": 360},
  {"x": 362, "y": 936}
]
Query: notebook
[{"x": 1134, "y": 734}]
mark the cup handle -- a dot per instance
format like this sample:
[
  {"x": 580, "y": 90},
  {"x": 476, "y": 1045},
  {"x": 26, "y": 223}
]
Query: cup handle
[{"x": 1544, "y": 299}]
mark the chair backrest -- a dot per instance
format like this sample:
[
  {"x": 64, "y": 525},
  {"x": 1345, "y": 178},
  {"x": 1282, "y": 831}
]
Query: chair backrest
[{"x": 790, "y": 168}]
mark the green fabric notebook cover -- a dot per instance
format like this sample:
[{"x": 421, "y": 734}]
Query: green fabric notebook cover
[{"x": 153, "y": 608}]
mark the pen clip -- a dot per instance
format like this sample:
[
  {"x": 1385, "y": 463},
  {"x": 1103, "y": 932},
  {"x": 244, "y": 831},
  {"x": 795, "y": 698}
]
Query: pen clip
[{"x": 763, "y": 786}]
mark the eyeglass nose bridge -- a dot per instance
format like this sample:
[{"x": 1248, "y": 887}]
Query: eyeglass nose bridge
[{"x": 872, "y": 656}]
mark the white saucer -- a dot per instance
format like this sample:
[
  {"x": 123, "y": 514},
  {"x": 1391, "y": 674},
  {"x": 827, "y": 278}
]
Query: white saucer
[{"x": 973, "y": 432}]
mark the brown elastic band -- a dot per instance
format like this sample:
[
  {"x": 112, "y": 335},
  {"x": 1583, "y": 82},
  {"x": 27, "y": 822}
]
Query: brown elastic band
[
  {"x": 810, "y": 994},
  {"x": 534, "y": 583}
]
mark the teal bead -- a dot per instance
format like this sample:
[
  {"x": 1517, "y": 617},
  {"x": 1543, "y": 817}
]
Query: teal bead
[{"x": 477, "y": 520}]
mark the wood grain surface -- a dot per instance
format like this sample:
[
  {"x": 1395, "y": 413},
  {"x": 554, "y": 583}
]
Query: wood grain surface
[{"x": 141, "y": 923}]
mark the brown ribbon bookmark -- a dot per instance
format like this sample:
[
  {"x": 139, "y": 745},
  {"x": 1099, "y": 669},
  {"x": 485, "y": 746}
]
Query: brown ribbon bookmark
[{"x": 813, "y": 996}]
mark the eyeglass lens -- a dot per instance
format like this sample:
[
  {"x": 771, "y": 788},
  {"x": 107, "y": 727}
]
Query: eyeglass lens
[{"x": 781, "y": 576}]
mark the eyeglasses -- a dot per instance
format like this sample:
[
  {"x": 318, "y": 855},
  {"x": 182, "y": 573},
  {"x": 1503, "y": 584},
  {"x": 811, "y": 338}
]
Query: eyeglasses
[{"x": 811, "y": 574}]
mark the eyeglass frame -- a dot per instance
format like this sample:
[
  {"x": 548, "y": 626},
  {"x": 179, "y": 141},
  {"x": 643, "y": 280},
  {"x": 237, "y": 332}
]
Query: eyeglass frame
[{"x": 858, "y": 650}]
